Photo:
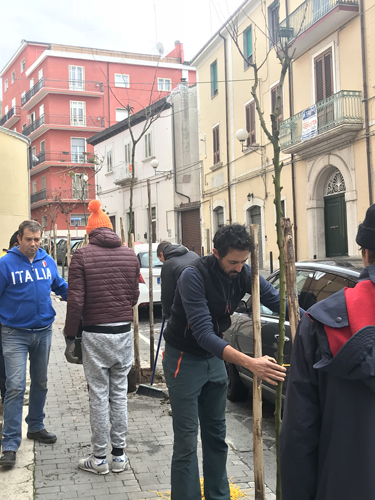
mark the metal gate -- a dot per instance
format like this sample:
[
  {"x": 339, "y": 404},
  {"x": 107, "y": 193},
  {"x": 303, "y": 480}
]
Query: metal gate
[{"x": 191, "y": 231}]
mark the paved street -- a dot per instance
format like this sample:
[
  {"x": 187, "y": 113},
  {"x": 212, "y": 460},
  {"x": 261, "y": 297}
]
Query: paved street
[{"x": 150, "y": 439}]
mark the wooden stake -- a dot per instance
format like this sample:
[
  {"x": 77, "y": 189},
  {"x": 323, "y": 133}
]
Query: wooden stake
[
  {"x": 150, "y": 280},
  {"x": 122, "y": 228},
  {"x": 290, "y": 275},
  {"x": 54, "y": 242},
  {"x": 257, "y": 383},
  {"x": 137, "y": 357},
  {"x": 68, "y": 250},
  {"x": 49, "y": 246}
]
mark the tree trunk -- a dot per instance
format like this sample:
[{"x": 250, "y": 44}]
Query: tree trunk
[
  {"x": 67, "y": 250},
  {"x": 54, "y": 241},
  {"x": 150, "y": 276},
  {"x": 257, "y": 383}
]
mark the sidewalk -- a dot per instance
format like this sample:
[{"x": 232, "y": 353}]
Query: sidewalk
[{"x": 149, "y": 448}]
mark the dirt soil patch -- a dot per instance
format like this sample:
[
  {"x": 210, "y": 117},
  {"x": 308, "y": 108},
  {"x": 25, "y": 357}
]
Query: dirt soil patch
[{"x": 146, "y": 374}]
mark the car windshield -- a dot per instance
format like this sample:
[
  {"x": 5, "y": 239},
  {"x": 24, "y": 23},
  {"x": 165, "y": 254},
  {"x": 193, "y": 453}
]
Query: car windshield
[{"x": 143, "y": 259}]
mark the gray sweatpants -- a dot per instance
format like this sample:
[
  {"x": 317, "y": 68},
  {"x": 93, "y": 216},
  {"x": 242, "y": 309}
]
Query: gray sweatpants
[{"x": 107, "y": 359}]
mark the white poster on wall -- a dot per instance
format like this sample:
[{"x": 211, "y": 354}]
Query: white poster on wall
[{"x": 309, "y": 123}]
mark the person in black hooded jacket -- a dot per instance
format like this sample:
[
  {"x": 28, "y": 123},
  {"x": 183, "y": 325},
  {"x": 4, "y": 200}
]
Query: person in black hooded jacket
[
  {"x": 327, "y": 444},
  {"x": 174, "y": 258}
]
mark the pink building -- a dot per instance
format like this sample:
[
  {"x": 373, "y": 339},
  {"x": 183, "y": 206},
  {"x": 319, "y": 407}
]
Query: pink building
[{"x": 59, "y": 96}]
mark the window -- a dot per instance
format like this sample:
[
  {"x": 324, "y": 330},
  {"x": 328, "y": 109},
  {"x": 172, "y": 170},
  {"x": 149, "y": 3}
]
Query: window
[
  {"x": 79, "y": 187},
  {"x": 216, "y": 143},
  {"x": 33, "y": 151},
  {"x": 41, "y": 110},
  {"x": 325, "y": 284},
  {"x": 44, "y": 221},
  {"x": 219, "y": 217},
  {"x": 274, "y": 91},
  {"x": 34, "y": 187},
  {"x": 76, "y": 78},
  {"x": 248, "y": 46},
  {"x": 6, "y": 109},
  {"x": 32, "y": 117},
  {"x": 213, "y": 71},
  {"x": 31, "y": 83},
  {"x": 5, "y": 85},
  {"x": 14, "y": 102},
  {"x": 23, "y": 98},
  {"x": 109, "y": 158},
  {"x": 13, "y": 77},
  {"x": 128, "y": 153},
  {"x": 23, "y": 127},
  {"x": 121, "y": 114},
  {"x": 23, "y": 65},
  {"x": 42, "y": 146},
  {"x": 77, "y": 146},
  {"x": 323, "y": 76},
  {"x": 43, "y": 183},
  {"x": 273, "y": 22},
  {"x": 250, "y": 123},
  {"x": 132, "y": 222},
  {"x": 78, "y": 113},
  {"x": 121, "y": 80},
  {"x": 164, "y": 84},
  {"x": 40, "y": 75},
  {"x": 148, "y": 145}
]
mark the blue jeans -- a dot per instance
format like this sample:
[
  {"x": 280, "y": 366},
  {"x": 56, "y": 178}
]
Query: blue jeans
[
  {"x": 197, "y": 391},
  {"x": 17, "y": 344},
  {"x": 2, "y": 372}
]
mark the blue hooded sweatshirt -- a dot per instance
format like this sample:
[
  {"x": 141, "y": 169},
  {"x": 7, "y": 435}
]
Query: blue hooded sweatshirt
[{"x": 25, "y": 289}]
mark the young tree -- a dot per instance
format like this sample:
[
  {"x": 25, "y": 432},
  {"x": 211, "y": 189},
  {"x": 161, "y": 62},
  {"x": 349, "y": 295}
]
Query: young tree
[{"x": 282, "y": 48}]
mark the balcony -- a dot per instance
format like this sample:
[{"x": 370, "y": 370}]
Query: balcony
[
  {"x": 52, "y": 86},
  {"x": 57, "y": 157},
  {"x": 68, "y": 195},
  {"x": 339, "y": 119},
  {"x": 122, "y": 175},
  {"x": 10, "y": 118},
  {"x": 313, "y": 20},
  {"x": 63, "y": 122}
]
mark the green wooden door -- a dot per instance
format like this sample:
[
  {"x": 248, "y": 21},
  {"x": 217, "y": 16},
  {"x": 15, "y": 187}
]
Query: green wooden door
[{"x": 335, "y": 225}]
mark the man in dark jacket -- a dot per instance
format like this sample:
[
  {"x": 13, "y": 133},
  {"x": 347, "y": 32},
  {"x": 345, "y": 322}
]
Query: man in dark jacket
[
  {"x": 103, "y": 288},
  {"x": 327, "y": 445},
  {"x": 207, "y": 294},
  {"x": 174, "y": 258}
]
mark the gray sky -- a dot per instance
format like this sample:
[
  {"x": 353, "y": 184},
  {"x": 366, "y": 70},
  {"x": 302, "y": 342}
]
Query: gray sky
[{"x": 128, "y": 25}]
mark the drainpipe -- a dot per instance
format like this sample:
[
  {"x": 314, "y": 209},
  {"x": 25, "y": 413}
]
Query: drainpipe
[
  {"x": 109, "y": 101},
  {"x": 227, "y": 126},
  {"x": 291, "y": 113},
  {"x": 365, "y": 100},
  {"x": 174, "y": 157}
]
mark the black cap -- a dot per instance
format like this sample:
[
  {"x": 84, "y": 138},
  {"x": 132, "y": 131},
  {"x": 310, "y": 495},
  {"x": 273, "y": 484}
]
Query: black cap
[{"x": 366, "y": 231}]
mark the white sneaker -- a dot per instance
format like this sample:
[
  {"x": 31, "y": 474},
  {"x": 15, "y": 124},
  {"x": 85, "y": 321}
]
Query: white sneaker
[
  {"x": 95, "y": 465},
  {"x": 119, "y": 464}
]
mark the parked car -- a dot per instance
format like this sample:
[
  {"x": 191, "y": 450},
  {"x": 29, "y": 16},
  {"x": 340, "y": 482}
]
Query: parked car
[
  {"x": 61, "y": 249},
  {"x": 315, "y": 281},
  {"x": 44, "y": 243},
  {"x": 142, "y": 252}
]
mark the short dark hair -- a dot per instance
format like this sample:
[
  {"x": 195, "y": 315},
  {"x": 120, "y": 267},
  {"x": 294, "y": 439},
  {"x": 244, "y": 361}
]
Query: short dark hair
[
  {"x": 161, "y": 247},
  {"x": 371, "y": 255},
  {"x": 31, "y": 225},
  {"x": 13, "y": 241},
  {"x": 235, "y": 236}
]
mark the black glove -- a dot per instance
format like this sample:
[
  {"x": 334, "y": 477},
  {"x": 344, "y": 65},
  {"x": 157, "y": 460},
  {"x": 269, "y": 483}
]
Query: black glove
[{"x": 69, "y": 352}]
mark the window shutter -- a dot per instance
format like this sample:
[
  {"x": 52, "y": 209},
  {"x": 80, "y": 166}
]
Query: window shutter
[
  {"x": 319, "y": 83},
  {"x": 252, "y": 123},
  {"x": 249, "y": 44},
  {"x": 216, "y": 142},
  {"x": 328, "y": 74}
]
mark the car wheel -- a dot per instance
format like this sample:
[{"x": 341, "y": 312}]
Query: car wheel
[{"x": 236, "y": 388}]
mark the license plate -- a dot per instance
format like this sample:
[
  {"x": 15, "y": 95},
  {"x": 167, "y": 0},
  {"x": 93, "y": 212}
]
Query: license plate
[{"x": 158, "y": 281}]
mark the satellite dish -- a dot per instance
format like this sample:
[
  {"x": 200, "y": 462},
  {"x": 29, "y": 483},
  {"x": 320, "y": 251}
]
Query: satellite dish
[{"x": 160, "y": 48}]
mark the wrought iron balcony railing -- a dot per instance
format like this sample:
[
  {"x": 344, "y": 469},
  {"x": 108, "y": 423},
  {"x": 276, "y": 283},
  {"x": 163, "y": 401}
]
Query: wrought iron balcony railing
[
  {"x": 63, "y": 85},
  {"x": 344, "y": 107},
  {"x": 308, "y": 13},
  {"x": 91, "y": 122},
  {"x": 72, "y": 194},
  {"x": 16, "y": 110},
  {"x": 63, "y": 157},
  {"x": 38, "y": 196}
]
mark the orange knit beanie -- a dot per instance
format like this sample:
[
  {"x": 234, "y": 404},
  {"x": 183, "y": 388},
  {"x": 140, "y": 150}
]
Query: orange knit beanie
[{"x": 97, "y": 218}]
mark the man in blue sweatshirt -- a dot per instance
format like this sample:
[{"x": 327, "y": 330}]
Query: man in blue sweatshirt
[
  {"x": 208, "y": 292},
  {"x": 27, "y": 276}
]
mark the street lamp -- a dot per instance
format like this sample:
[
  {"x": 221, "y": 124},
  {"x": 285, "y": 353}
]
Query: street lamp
[
  {"x": 242, "y": 135},
  {"x": 155, "y": 164}
]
